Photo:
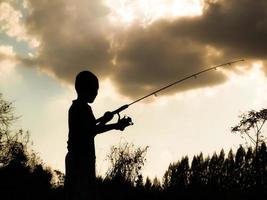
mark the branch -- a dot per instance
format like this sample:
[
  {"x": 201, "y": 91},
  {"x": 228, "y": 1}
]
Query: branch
[{"x": 250, "y": 138}]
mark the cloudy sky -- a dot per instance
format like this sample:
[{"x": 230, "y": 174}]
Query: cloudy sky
[{"x": 135, "y": 47}]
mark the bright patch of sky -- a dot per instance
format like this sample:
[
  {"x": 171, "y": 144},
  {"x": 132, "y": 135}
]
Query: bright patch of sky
[
  {"x": 148, "y": 11},
  {"x": 20, "y": 47}
]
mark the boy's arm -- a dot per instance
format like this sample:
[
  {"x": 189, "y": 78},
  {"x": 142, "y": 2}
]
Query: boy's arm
[
  {"x": 120, "y": 125},
  {"x": 108, "y": 116},
  {"x": 101, "y": 128}
]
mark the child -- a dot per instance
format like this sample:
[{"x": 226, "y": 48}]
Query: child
[{"x": 83, "y": 127}]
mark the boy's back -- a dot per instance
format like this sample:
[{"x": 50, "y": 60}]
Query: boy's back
[
  {"x": 81, "y": 126},
  {"x": 80, "y": 159}
]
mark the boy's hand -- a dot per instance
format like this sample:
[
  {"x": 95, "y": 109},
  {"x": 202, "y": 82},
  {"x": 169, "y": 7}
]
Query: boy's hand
[
  {"x": 123, "y": 123},
  {"x": 107, "y": 117}
]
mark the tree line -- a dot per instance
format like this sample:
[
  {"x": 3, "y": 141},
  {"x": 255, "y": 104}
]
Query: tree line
[
  {"x": 236, "y": 175},
  {"x": 239, "y": 174}
]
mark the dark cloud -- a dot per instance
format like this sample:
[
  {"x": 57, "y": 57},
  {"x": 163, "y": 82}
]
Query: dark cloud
[
  {"x": 76, "y": 36},
  {"x": 152, "y": 58},
  {"x": 237, "y": 27},
  {"x": 168, "y": 50},
  {"x": 73, "y": 36}
]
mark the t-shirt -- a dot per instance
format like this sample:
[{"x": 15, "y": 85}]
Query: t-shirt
[{"x": 81, "y": 125}]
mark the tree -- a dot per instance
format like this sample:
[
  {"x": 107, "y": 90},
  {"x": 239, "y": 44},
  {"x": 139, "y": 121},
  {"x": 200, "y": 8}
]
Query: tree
[
  {"x": 262, "y": 167},
  {"x": 22, "y": 174},
  {"x": 148, "y": 184},
  {"x": 198, "y": 177},
  {"x": 250, "y": 125},
  {"x": 126, "y": 162},
  {"x": 58, "y": 178},
  {"x": 14, "y": 144},
  {"x": 248, "y": 174},
  {"x": 240, "y": 159},
  {"x": 7, "y": 116},
  {"x": 228, "y": 169},
  {"x": 156, "y": 186},
  {"x": 6, "y": 119},
  {"x": 177, "y": 175},
  {"x": 215, "y": 171}
]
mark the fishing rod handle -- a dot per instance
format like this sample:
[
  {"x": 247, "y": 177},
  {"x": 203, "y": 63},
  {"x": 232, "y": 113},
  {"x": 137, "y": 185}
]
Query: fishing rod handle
[
  {"x": 117, "y": 111},
  {"x": 120, "y": 109}
]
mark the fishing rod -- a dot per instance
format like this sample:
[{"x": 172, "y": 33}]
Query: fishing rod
[{"x": 117, "y": 111}]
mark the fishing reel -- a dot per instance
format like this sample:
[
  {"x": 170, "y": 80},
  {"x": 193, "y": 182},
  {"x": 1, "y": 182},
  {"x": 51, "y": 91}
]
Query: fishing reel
[{"x": 123, "y": 122}]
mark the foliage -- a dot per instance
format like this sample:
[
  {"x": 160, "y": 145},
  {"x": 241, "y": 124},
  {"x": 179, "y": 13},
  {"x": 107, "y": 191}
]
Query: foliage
[
  {"x": 6, "y": 116},
  {"x": 126, "y": 163},
  {"x": 251, "y": 125},
  {"x": 239, "y": 173},
  {"x": 177, "y": 175},
  {"x": 22, "y": 174}
]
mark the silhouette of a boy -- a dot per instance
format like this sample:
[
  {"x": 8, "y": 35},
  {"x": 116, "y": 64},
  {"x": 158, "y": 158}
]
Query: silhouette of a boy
[{"x": 83, "y": 127}]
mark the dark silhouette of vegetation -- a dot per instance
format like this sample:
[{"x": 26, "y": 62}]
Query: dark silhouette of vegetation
[
  {"x": 124, "y": 179},
  {"x": 222, "y": 177},
  {"x": 251, "y": 125},
  {"x": 239, "y": 174},
  {"x": 126, "y": 163},
  {"x": 22, "y": 173}
]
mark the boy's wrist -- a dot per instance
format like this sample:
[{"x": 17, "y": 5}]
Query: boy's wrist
[
  {"x": 112, "y": 126},
  {"x": 116, "y": 126}
]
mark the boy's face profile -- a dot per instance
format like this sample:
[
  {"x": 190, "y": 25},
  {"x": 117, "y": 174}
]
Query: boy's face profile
[
  {"x": 86, "y": 85},
  {"x": 90, "y": 94}
]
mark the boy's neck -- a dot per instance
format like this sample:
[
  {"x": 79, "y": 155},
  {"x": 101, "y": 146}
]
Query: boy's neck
[{"x": 81, "y": 99}]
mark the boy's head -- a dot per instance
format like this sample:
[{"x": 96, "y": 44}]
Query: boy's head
[{"x": 86, "y": 85}]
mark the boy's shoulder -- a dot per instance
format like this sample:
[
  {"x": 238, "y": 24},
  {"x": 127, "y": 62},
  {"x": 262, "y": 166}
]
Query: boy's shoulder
[{"x": 80, "y": 106}]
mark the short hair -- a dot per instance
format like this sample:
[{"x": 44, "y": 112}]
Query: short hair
[{"x": 85, "y": 80}]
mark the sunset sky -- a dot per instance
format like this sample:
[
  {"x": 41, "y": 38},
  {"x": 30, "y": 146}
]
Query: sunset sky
[{"x": 135, "y": 47}]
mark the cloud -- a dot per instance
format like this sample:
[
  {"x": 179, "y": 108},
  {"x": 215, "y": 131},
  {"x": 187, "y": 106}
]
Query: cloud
[
  {"x": 170, "y": 49},
  {"x": 72, "y": 37},
  {"x": 9, "y": 20},
  {"x": 78, "y": 35},
  {"x": 12, "y": 24},
  {"x": 151, "y": 58},
  {"x": 237, "y": 28}
]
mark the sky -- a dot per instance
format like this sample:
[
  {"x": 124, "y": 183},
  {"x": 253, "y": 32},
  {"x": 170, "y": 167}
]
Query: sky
[{"x": 134, "y": 48}]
